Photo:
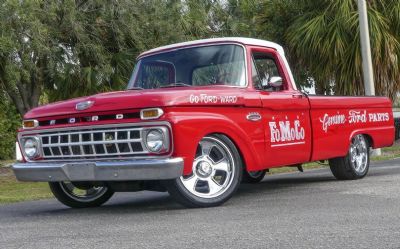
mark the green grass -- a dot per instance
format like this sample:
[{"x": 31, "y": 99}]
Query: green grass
[
  {"x": 13, "y": 191},
  {"x": 306, "y": 166},
  {"x": 6, "y": 163},
  {"x": 388, "y": 153}
]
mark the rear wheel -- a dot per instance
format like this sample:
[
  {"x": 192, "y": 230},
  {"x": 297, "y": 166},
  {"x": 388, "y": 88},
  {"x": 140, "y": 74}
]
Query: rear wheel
[
  {"x": 80, "y": 194},
  {"x": 216, "y": 174},
  {"x": 355, "y": 164}
]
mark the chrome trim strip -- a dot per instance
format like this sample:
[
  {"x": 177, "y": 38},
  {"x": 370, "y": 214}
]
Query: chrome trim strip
[
  {"x": 123, "y": 170},
  {"x": 253, "y": 116},
  {"x": 18, "y": 153}
]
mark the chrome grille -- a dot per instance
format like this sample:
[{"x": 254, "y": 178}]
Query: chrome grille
[{"x": 93, "y": 143}]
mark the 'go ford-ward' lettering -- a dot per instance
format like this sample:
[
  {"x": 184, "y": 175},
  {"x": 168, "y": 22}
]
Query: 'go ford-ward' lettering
[{"x": 212, "y": 99}]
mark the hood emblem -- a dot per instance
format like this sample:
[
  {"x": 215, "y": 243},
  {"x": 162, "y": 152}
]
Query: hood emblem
[{"x": 84, "y": 105}]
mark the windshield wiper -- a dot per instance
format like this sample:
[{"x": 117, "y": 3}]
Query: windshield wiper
[
  {"x": 176, "y": 84},
  {"x": 136, "y": 88}
]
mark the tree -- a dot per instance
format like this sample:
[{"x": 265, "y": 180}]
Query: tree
[
  {"x": 325, "y": 39},
  {"x": 273, "y": 22},
  {"x": 9, "y": 123},
  {"x": 25, "y": 50},
  {"x": 53, "y": 50},
  {"x": 62, "y": 49}
]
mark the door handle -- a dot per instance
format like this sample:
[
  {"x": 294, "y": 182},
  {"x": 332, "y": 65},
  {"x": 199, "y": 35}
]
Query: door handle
[{"x": 297, "y": 95}]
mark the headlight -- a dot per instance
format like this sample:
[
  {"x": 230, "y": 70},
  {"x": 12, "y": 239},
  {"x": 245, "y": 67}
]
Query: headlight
[
  {"x": 155, "y": 140},
  {"x": 31, "y": 147}
]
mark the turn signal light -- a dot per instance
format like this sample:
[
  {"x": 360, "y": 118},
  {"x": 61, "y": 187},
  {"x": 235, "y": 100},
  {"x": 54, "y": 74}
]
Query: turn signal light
[
  {"x": 152, "y": 113},
  {"x": 29, "y": 124}
]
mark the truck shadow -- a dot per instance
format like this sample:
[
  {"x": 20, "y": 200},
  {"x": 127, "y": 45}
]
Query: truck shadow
[
  {"x": 283, "y": 182},
  {"x": 147, "y": 202},
  {"x": 273, "y": 186}
]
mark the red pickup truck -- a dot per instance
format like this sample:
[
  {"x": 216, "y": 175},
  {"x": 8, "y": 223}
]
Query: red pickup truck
[{"x": 196, "y": 120}]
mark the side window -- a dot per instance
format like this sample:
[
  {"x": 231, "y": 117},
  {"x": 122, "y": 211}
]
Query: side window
[{"x": 264, "y": 68}]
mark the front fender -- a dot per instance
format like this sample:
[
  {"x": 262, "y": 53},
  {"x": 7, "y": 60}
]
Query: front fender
[{"x": 190, "y": 127}]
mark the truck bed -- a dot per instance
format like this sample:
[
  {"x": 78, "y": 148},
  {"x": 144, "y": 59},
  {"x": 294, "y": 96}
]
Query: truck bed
[{"x": 336, "y": 119}]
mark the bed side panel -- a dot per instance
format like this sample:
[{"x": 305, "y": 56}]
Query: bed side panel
[{"x": 335, "y": 120}]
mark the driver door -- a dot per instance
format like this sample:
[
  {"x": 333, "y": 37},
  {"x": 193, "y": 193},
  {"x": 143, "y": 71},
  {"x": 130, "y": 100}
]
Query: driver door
[{"x": 285, "y": 111}]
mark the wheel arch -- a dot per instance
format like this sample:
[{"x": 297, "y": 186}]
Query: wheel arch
[
  {"x": 186, "y": 148},
  {"x": 366, "y": 133},
  {"x": 370, "y": 140},
  {"x": 239, "y": 149}
]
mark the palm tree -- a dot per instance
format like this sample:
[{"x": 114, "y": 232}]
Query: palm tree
[{"x": 325, "y": 41}]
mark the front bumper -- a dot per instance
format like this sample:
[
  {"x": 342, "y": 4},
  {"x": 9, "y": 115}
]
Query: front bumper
[{"x": 123, "y": 170}]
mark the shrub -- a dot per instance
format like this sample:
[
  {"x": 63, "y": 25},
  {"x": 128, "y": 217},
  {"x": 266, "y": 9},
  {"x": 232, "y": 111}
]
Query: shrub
[{"x": 9, "y": 123}]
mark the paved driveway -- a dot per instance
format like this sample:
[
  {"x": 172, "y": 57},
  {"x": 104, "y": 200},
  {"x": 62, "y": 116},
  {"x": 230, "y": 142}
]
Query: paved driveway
[{"x": 296, "y": 210}]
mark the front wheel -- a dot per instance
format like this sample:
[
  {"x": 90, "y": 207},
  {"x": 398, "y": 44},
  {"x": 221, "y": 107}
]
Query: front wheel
[
  {"x": 355, "y": 164},
  {"x": 216, "y": 174},
  {"x": 80, "y": 194}
]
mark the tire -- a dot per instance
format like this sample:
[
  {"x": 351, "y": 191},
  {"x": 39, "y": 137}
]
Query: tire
[
  {"x": 215, "y": 177},
  {"x": 68, "y": 194},
  {"x": 355, "y": 164},
  {"x": 253, "y": 176}
]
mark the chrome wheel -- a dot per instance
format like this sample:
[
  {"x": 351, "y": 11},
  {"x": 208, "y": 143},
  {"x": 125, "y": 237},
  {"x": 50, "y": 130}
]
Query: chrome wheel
[
  {"x": 82, "y": 193},
  {"x": 355, "y": 164},
  {"x": 212, "y": 170},
  {"x": 359, "y": 154}
]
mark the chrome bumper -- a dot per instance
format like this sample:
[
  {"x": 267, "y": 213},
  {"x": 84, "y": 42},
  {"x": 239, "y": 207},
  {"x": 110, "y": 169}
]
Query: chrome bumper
[{"x": 124, "y": 170}]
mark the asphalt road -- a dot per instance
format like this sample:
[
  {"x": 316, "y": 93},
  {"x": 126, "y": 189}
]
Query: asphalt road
[{"x": 296, "y": 210}]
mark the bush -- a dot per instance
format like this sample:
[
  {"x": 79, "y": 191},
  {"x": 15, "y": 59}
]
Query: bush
[{"x": 10, "y": 121}]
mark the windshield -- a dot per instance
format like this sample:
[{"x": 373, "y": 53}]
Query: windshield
[{"x": 198, "y": 66}]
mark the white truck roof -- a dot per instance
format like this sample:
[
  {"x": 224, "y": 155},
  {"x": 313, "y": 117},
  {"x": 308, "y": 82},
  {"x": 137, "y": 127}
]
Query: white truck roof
[{"x": 240, "y": 40}]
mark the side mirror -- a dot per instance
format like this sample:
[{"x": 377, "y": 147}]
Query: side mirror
[{"x": 275, "y": 81}]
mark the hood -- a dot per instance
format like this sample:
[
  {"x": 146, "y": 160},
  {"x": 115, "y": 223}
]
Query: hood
[{"x": 138, "y": 99}]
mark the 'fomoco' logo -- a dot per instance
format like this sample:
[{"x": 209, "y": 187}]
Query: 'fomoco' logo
[{"x": 286, "y": 132}]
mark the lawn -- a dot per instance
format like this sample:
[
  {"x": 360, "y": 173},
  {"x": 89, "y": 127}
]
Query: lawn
[{"x": 13, "y": 191}]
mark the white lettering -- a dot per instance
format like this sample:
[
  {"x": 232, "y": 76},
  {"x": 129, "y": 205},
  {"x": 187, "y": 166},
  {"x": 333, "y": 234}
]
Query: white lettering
[
  {"x": 286, "y": 132},
  {"x": 275, "y": 134},
  {"x": 212, "y": 99},
  {"x": 328, "y": 121},
  {"x": 357, "y": 116},
  {"x": 378, "y": 117},
  {"x": 228, "y": 99}
]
